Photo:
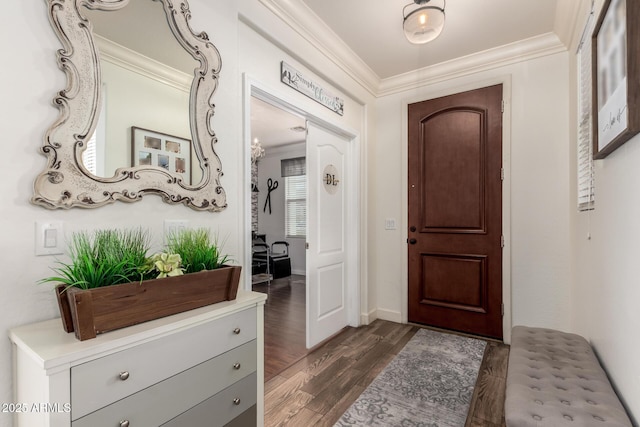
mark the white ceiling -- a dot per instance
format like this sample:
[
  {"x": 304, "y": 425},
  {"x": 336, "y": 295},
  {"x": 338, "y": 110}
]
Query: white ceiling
[
  {"x": 273, "y": 126},
  {"x": 366, "y": 37},
  {"x": 373, "y": 29}
]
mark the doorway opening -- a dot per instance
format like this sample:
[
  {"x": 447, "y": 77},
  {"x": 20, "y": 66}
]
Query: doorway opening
[
  {"x": 278, "y": 230},
  {"x": 331, "y": 271}
]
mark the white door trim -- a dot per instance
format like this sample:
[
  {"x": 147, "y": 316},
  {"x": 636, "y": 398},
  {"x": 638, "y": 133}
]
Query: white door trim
[
  {"x": 253, "y": 87},
  {"x": 506, "y": 192}
]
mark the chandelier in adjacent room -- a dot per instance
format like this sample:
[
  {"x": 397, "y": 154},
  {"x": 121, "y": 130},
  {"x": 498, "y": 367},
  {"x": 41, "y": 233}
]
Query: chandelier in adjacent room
[{"x": 257, "y": 152}]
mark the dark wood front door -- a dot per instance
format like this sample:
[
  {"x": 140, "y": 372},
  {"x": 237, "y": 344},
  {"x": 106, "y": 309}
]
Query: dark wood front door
[{"x": 455, "y": 212}]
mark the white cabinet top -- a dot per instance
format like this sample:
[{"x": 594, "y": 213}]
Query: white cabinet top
[{"x": 54, "y": 349}]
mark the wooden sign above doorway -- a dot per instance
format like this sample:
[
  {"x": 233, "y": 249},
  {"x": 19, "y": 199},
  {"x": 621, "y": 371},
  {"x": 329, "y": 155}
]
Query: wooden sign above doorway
[{"x": 293, "y": 78}]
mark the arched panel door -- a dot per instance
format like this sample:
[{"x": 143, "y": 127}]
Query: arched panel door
[{"x": 455, "y": 212}]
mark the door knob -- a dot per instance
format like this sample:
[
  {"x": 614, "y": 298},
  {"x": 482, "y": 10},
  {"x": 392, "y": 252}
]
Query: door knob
[
  {"x": 413, "y": 229},
  {"x": 413, "y": 241}
]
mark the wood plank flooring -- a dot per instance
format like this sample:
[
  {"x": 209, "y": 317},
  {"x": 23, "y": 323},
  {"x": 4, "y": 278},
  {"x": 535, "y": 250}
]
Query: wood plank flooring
[
  {"x": 319, "y": 386},
  {"x": 487, "y": 404},
  {"x": 285, "y": 327}
]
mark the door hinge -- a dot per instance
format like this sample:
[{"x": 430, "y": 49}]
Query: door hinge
[
  {"x": 306, "y": 245},
  {"x": 502, "y": 309},
  {"x": 502, "y": 241},
  {"x": 501, "y": 174},
  {"x": 502, "y": 106}
]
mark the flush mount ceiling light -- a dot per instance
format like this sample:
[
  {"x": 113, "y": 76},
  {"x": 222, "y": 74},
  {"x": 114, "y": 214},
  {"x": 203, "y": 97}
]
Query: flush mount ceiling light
[{"x": 424, "y": 23}]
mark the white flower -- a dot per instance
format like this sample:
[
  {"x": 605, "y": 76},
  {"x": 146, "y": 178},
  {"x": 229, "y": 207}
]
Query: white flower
[{"x": 168, "y": 265}]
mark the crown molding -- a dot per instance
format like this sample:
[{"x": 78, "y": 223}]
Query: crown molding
[
  {"x": 566, "y": 21},
  {"x": 143, "y": 65},
  {"x": 305, "y": 22},
  {"x": 585, "y": 13},
  {"x": 310, "y": 27},
  {"x": 290, "y": 148},
  {"x": 535, "y": 47}
]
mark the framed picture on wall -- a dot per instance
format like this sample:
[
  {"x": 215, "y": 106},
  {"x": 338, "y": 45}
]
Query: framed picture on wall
[
  {"x": 616, "y": 70},
  {"x": 151, "y": 148}
]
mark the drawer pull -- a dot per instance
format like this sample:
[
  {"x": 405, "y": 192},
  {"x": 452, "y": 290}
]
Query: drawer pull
[
  {"x": 124, "y": 423},
  {"x": 236, "y": 365},
  {"x": 236, "y": 331},
  {"x": 124, "y": 376},
  {"x": 236, "y": 401}
]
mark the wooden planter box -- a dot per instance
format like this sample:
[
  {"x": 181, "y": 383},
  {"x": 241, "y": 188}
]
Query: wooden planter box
[{"x": 94, "y": 311}]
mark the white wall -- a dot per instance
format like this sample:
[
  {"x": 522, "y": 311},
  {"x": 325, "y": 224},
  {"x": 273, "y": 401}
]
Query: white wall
[
  {"x": 539, "y": 178},
  {"x": 272, "y": 224},
  {"x": 547, "y": 236},
  {"x": 259, "y": 59},
  {"x": 29, "y": 83},
  {"x": 606, "y": 288},
  {"x": 137, "y": 100},
  {"x": 28, "y": 88}
]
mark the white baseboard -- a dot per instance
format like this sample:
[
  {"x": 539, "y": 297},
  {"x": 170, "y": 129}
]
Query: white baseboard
[
  {"x": 368, "y": 318},
  {"x": 392, "y": 316},
  {"x": 299, "y": 272}
]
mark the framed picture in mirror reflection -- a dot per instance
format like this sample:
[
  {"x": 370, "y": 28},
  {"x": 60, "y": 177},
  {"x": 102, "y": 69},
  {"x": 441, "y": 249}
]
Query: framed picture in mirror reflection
[{"x": 152, "y": 148}]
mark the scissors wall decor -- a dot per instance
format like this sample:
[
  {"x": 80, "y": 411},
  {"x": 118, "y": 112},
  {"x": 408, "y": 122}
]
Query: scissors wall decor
[{"x": 271, "y": 185}]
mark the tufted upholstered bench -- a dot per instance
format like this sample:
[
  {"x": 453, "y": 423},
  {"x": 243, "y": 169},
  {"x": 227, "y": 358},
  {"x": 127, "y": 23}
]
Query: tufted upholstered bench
[{"x": 554, "y": 379}]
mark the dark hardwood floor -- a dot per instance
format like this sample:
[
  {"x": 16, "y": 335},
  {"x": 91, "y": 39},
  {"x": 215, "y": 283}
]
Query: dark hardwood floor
[
  {"x": 284, "y": 319},
  {"x": 315, "y": 388}
]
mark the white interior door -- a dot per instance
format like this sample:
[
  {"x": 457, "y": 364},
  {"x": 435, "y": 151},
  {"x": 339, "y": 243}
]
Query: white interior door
[{"x": 327, "y": 308}]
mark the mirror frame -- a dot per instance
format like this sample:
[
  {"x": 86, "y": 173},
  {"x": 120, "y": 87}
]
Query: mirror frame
[{"x": 65, "y": 182}]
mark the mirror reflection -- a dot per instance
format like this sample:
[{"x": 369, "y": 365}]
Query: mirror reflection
[
  {"x": 167, "y": 99},
  {"x": 146, "y": 80}
]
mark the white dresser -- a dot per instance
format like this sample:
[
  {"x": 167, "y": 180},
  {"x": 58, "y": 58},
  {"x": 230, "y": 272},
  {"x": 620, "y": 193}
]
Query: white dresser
[{"x": 204, "y": 367}]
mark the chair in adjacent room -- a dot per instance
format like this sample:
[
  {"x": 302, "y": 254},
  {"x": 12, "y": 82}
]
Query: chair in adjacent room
[
  {"x": 279, "y": 261},
  {"x": 260, "y": 262}
]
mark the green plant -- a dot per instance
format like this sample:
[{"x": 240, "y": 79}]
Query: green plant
[
  {"x": 197, "y": 249},
  {"x": 103, "y": 258}
]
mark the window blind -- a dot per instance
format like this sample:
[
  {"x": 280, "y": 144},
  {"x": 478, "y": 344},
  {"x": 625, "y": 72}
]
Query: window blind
[
  {"x": 293, "y": 167},
  {"x": 295, "y": 182},
  {"x": 585, "y": 170},
  {"x": 89, "y": 155},
  {"x": 93, "y": 157}
]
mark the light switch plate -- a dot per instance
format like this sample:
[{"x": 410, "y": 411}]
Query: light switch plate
[
  {"x": 49, "y": 238},
  {"x": 172, "y": 226},
  {"x": 390, "y": 224}
]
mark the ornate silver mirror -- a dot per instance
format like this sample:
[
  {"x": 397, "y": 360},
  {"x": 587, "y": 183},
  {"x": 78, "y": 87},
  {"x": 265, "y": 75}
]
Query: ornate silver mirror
[{"x": 106, "y": 147}]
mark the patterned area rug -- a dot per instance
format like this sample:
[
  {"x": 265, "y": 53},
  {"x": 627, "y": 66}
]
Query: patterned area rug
[{"x": 428, "y": 384}]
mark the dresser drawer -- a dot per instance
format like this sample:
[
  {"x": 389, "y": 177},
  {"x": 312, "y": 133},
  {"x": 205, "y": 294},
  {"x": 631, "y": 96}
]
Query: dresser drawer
[
  {"x": 167, "y": 399},
  {"x": 222, "y": 408},
  {"x": 98, "y": 383}
]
